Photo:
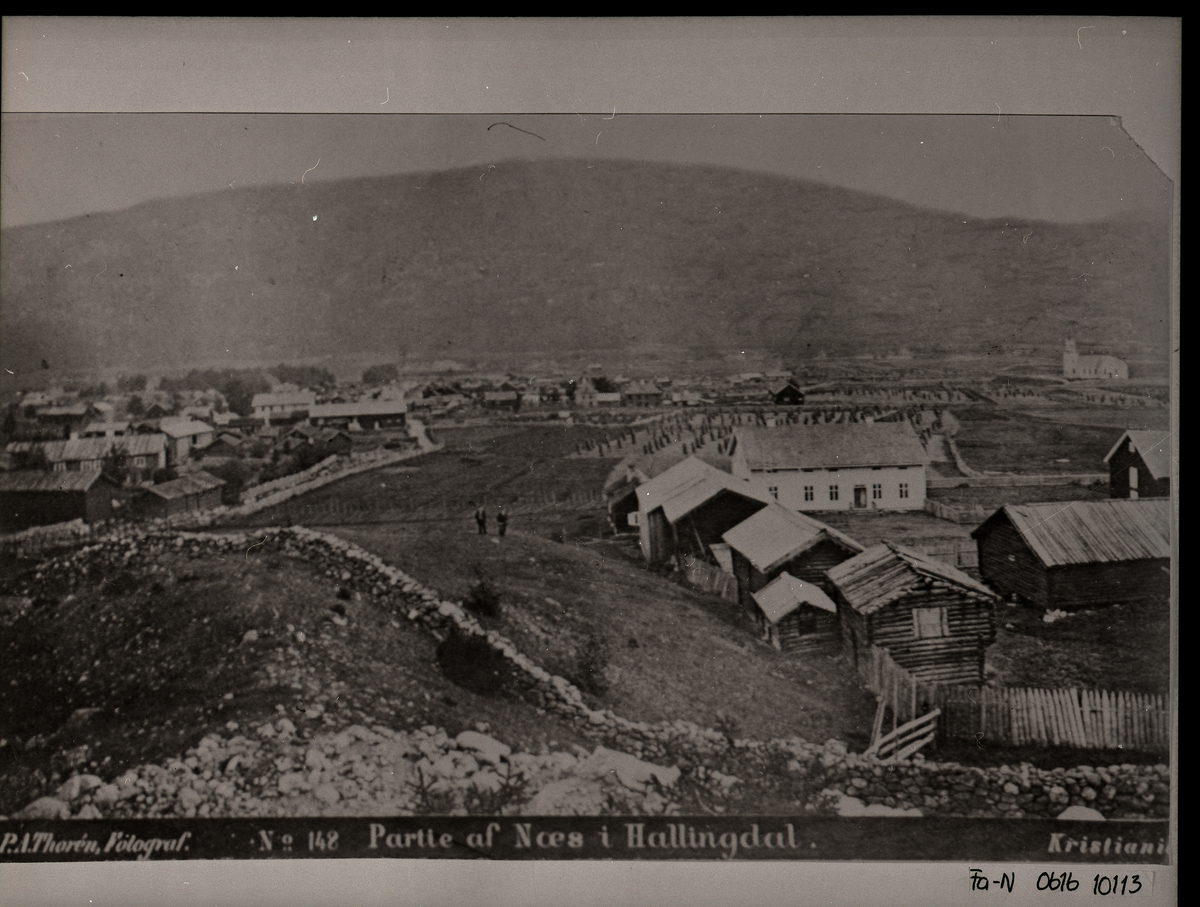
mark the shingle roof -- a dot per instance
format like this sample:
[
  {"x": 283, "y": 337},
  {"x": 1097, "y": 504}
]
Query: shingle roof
[
  {"x": 1153, "y": 447},
  {"x": 78, "y": 449},
  {"x": 831, "y": 446},
  {"x": 294, "y": 398},
  {"x": 776, "y": 534},
  {"x": 359, "y": 408},
  {"x": 193, "y": 483},
  {"x": 687, "y": 485},
  {"x": 182, "y": 427},
  {"x": 785, "y": 594},
  {"x": 1086, "y": 532},
  {"x": 887, "y": 572},
  {"x": 32, "y": 480}
]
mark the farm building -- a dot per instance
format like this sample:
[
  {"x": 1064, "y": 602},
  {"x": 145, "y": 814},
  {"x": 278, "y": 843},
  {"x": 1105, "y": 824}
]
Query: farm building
[
  {"x": 143, "y": 453},
  {"x": 790, "y": 611},
  {"x": 842, "y": 466},
  {"x": 34, "y": 498},
  {"x": 787, "y": 394},
  {"x": 777, "y": 540},
  {"x": 510, "y": 400},
  {"x": 934, "y": 620},
  {"x": 188, "y": 494},
  {"x": 1076, "y": 366},
  {"x": 1078, "y": 554},
  {"x": 327, "y": 442},
  {"x": 1139, "y": 466},
  {"x": 641, "y": 393},
  {"x": 620, "y": 488},
  {"x": 184, "y": 435},
  {"x": 686, "y": 509},
  {"x": 362, "y": 415},
  {"x": 282, "y": 405}
]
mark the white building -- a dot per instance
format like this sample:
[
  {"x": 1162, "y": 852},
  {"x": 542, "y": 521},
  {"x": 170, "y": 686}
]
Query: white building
[
  {"x": 1076, "y": 366},
  {"x": 282, "y": 404},
  {"x": 841, "y": 466}
]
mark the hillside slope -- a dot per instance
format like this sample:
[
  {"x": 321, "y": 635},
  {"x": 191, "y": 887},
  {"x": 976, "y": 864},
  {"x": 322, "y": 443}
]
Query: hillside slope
[{"x": 565, "y": 256}]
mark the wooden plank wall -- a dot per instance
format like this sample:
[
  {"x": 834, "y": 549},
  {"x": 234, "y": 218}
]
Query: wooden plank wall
[{"x": 1083, "y": 719}]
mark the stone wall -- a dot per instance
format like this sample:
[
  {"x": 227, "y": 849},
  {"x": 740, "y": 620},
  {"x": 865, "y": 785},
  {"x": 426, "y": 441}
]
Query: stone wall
[{"x": 1116, "y": 791}]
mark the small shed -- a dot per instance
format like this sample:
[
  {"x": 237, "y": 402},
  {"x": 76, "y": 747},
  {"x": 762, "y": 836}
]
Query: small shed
[
  {"x": 1078, "y": 553},
  {"x": 777, "y": 540},
  {"x": 789, "y": 611},
  {"x": 188, "y": 494},
  {"x": 934, "y": 620},
  {"x": 35, "y": 498},
  {"x": 787, "y": 394},
  {"x": 1139, "y": 465}
]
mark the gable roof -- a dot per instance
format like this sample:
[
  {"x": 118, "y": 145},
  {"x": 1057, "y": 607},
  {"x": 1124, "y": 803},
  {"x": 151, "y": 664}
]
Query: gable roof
[
  {"x": 34, "y": 480},
  {"x": 382, "y": 407},
  {"x": 182, "y": 427},
  {"x": 785, "y": 594},
  {"x": 192, "y": 483},
  {"x": 688, "y": 485},
  {"x": 776, "y": 534},
  {"x": 292, "y": 398},
  {"x": 82, "y": 449},
  {"x": 836, "y": 445},
  {"x": 887, "y": 572},
  {"x": 1153, "y": 448},
  {"x": 1086, "y": 532}
]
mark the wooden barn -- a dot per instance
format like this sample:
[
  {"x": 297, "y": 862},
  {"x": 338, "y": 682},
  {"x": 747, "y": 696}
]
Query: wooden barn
[
  {"x": 1139, "y": 466},
  {"x": 188, "y": 494},
  {"x": 934, "y": 620},
  {"x": 787, "y": 394},
  {"x": 776, "y": 540},
  {"x": 790, "y": 611},
  {"x": 1079, "y": 553},
  {"x": 689, "y": 507},
  {"x": 34, "y": 498}
]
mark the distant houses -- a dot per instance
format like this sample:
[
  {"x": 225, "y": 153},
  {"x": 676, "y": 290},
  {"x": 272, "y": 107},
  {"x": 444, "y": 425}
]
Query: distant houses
[
  {"x": 641, "y": 393},
  {"x": 35, "y": 498},
  {"x": 361, "y": 415},
  {"x": 1103, "y": 367},
  {"x": 842, "y": 466},
  {"x": 1139, "y": 465},
  {"x": 935, "y": 621},
  {"x": 142, "y": 454},
  {"x": 1078, "y": 554}
]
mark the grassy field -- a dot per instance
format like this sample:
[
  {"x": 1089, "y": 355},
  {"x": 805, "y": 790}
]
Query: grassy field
[
  {"x": 996, "y": 439},
  {"x": 163, "y": 657},
  {"x": 633, "y": 640},
  {"x": 1017, "y": 494},
  {"x": 1123, "y": 647}
]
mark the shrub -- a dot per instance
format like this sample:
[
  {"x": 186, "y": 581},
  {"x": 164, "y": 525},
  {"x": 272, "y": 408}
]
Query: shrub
[
  {"x": 590, "y": 664},
  {"x": 470, "y": 662},
  {"x": 483, "y": 599}
]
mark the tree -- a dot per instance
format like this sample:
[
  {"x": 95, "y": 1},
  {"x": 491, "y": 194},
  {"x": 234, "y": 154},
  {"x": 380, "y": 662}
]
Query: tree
[
  {"x": 135, "y": 407},
  {"x": 34, "y": 458},
  {"x": 116, "y": 465},
  {"x": 380, "y": 374}
]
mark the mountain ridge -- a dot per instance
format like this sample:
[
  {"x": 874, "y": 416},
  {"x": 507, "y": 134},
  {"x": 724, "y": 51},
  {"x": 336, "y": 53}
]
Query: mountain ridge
[{"x": 569, "y": 255}]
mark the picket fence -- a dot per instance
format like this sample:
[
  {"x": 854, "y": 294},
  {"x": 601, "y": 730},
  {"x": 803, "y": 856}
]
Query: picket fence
[{"x": 1018, "y": 716}]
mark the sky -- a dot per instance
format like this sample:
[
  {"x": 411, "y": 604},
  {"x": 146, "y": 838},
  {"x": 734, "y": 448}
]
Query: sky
[{"x": 1054, "y": 168}]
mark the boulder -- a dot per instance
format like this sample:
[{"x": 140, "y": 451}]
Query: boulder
[
  {"x": 45, "y": 808},
  {"x": 1080, "y": 814},
  {"x": 629, "y": 770},
  {"x": 483, "y": 747}
]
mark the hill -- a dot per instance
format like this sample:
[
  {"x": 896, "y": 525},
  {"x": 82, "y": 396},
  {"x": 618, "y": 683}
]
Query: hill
[{"x": 551, "y": 257}]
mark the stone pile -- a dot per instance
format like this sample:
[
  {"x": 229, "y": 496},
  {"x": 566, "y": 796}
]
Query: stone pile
[{"x": 941, "y": 789}]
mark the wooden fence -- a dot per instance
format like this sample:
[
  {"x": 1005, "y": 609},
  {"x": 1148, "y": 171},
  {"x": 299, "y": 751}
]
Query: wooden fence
[
  {"x": 1017, "y": 716},
  {"x": 961, "y": 553},
  {"x": 709, "y": 578}
]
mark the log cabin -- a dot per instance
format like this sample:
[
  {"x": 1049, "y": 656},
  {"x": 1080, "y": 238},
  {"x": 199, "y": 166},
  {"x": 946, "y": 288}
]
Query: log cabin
[
  {"x": 1139, "y": 465},
  {"x": 1078, "y": 554},
  {"x": 790, "y": 611},
  {"x": 934, "y": 620},
  {"x": 776, "y": 540}
]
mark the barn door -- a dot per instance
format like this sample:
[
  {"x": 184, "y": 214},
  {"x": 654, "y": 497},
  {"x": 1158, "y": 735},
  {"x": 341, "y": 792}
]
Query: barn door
[{"x": 1133, "y": 483}]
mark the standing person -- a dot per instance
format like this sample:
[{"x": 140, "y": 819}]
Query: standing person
[
  {"x": 481, "y": 520},
  {"x": 502, "y": 521}
]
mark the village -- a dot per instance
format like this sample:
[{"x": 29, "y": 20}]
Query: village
[{"x": 834, "y": 519}]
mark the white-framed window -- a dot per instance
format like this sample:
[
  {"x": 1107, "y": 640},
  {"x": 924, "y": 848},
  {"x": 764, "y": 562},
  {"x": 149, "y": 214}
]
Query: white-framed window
[
  {"x": 774, "y": 490},
  {"x": 929, "y": 623},
  {"x": 903, "y": 489},
  {"x": 833, "y": 492},
  {"x": 809, "y": 492},
  {"x": 876, "y": 492}
]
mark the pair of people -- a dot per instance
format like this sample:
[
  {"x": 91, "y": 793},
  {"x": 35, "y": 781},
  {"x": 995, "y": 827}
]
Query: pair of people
[{"x": 501, "y": 520}]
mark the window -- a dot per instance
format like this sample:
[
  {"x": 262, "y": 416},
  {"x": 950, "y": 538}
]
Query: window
[
  {"x": 774, "y": 490},
  {"x": 809, "y": 492},
  {"x": 929, "y": 623},
  {"x": 903, "y": 489},
  {"x": 833, "y": 492},
  {"x": 876, "y": 492}
]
